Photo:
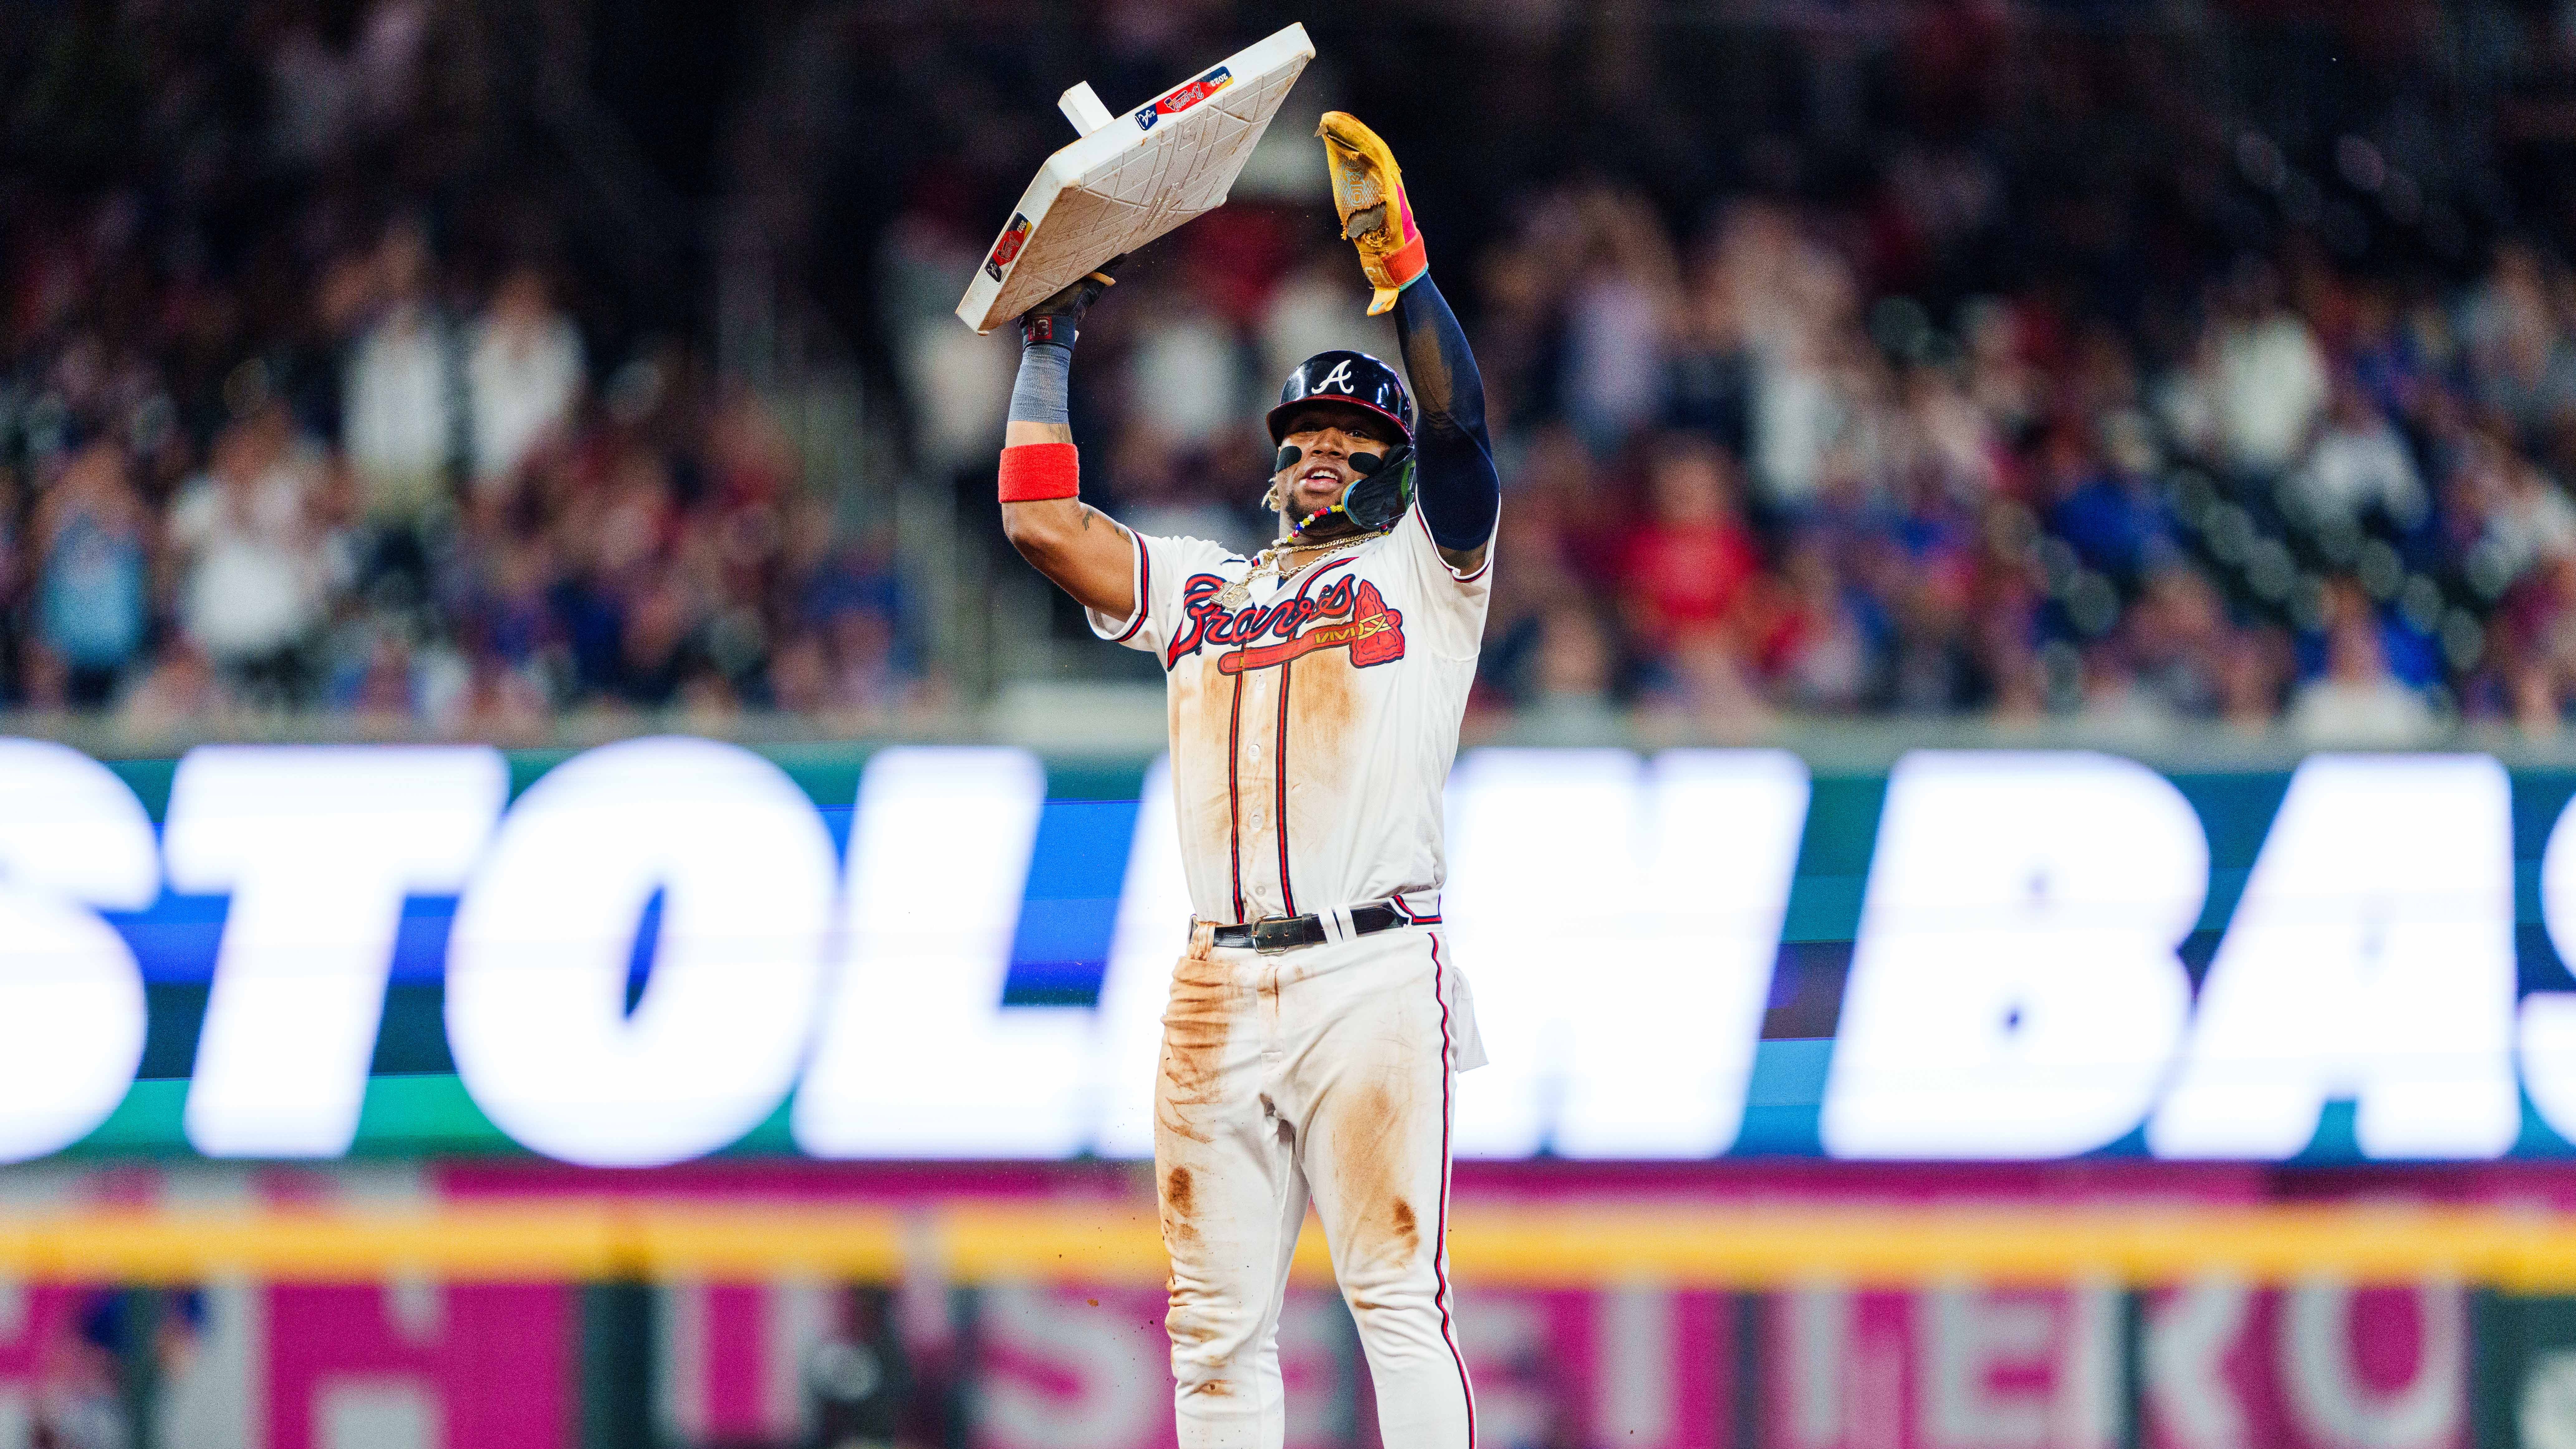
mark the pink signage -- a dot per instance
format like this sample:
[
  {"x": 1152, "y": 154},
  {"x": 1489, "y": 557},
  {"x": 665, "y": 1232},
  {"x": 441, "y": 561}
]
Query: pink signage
[
  {"x": 2224, "y": 1366},
  {"x": 51, "y": 1372},
  {"x": 1087, "y": 1369},
  {"x": 418, "y": 1365},
  {"x": 2318, "y": 1367}
]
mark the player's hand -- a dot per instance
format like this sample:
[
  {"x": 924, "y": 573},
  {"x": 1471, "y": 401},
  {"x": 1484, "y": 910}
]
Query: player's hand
[
  {"x": 1368, "y": 191},
  {"x": 1059, "y": 318}
]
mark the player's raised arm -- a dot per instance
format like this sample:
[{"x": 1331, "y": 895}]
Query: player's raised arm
[
  {"x": 1088, "y": 554},
  {"x": 1455, "y": 484}
]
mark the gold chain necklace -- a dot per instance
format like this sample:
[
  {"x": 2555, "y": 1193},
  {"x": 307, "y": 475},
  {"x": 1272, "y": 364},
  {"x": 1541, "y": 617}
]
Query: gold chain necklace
[{"x": 1271, "y": 563}]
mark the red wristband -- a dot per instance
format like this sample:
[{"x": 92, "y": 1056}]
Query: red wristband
[
  {"x": 1407, "y": 262},
  {"x": 1033, "y": 471}
]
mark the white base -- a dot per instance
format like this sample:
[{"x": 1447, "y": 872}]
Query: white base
[{"x": 1129, "y": 181}]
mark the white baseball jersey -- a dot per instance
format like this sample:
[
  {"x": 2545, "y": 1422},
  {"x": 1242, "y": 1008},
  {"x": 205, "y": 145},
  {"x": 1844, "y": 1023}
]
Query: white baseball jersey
[{"x": 1313, "y": 726}]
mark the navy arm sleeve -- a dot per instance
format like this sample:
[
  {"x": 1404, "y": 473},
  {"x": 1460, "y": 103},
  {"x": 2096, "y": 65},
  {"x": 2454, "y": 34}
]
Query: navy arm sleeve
[{"x": 1453, "y": 475}]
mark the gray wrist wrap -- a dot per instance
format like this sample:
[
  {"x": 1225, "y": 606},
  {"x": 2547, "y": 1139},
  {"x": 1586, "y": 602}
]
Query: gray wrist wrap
[{"x": 1042, "y": 392}]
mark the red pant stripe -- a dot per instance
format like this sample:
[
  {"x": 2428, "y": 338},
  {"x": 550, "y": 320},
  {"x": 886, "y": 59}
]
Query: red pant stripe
[{"x": 1440, "y": 1244}]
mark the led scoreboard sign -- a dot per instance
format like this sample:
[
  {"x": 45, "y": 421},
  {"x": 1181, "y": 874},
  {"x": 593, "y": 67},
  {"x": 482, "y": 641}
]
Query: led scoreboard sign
[{"x": 2043, "y": 962}]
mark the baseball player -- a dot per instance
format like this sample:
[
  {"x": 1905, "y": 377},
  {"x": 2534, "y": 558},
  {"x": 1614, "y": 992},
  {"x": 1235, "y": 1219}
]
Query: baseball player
[{"x": 1316, "y": 1024}]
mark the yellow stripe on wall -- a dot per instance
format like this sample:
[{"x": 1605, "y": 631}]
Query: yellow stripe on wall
[{"x": 1118, "y": 1243}]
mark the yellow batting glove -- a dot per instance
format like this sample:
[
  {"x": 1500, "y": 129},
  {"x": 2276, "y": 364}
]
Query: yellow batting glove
[{"x": 1368, "y": 191}]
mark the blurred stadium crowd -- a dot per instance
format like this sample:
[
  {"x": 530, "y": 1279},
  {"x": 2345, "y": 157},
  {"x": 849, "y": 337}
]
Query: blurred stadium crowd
[
  {"x": 2045, "y": 381},
  {"x": 2118, "y": 364},
  {"x": 292, "y": 418}
]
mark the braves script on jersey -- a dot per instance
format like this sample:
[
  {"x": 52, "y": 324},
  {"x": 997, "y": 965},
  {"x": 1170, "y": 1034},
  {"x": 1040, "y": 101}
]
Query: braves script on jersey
[{"x": 1313, "y": 726}]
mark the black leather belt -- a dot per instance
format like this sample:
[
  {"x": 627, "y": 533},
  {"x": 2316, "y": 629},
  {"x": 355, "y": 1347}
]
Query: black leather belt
[{"x": 1287, "y": 933}]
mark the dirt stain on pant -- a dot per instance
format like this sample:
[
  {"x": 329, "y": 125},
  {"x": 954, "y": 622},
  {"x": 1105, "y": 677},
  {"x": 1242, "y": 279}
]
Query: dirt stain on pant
[
  {"x": 1180, "y": 1208},
  {"x": 1190, "y": 1109},
  {"x": 1197, "y": 1028},
  {"x": 1372, "y": 1138}
]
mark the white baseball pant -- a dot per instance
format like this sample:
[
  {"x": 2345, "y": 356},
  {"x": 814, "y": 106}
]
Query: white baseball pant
[{"x": 1325, "y": 1071}]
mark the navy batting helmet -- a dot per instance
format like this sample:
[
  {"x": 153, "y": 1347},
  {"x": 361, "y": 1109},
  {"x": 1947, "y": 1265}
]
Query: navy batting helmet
[
  {"x": 1356, "y": 380},
  {"x": 1348, "y": 377}
]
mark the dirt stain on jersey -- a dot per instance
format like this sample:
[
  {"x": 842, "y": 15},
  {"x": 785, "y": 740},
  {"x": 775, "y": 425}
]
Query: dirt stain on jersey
[
  {"x": 1322, "y": 712},
  {"x": 1201, "y": 750},
  {"x": 1322, "y": 720}
]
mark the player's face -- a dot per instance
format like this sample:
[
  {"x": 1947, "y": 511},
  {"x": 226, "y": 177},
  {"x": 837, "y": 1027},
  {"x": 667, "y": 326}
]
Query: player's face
[{"x": 1326, "y": 438}]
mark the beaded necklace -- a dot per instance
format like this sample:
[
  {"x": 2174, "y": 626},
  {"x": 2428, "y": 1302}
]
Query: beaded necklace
[{"x": 1272, "y": 562}]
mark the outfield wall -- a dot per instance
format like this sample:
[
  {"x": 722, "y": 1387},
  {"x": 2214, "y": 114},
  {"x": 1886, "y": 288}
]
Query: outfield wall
[
  {"x": 1996, "y": 1098},
  {"x": 666, "y": 948}
]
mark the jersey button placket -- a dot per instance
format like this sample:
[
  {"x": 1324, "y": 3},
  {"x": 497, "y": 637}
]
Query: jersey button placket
[
  {"x": 1259, "y": 785},
  {"x": 1262, "y": 752},
  {"x": 1257, "y": 781}
]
